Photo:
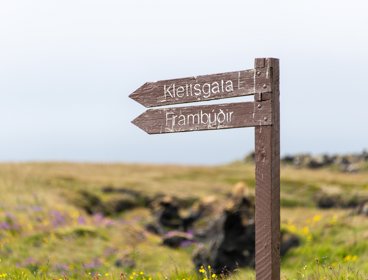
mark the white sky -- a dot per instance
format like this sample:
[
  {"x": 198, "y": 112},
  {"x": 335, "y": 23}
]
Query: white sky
[{"x": 67, "y": 68}]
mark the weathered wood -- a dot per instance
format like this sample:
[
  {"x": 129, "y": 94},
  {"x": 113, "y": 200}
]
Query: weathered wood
[
  {"x": 202, "y": 88},
  {"x": 207, "y": 117},
  {"x": 267, "y": 156},
  {"x": 263, "y": 114}
]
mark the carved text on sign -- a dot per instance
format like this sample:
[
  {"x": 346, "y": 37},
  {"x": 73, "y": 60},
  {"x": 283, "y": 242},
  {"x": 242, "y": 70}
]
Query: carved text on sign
[
  {"x": 212, "y": 119},
  {"x": 205, "y": 90}
]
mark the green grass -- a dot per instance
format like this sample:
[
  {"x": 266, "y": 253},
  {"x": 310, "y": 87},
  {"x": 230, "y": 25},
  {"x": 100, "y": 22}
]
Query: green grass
[{"x": 49, "y": 235}]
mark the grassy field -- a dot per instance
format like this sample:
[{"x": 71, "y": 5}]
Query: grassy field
[{"x": 46, "y": 234}]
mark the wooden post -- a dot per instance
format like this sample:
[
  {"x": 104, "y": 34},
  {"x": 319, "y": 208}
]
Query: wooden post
[
  {"x": 267, "y": 158},
  {"x": 263, "y": 114}
]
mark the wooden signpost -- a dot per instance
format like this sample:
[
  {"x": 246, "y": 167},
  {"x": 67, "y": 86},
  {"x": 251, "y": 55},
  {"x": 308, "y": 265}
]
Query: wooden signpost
[{"x": 263, "y": 114}]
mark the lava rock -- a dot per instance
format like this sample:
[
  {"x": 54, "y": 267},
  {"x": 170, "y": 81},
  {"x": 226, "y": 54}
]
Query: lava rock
[
  {"x": 326, "y": 201},
  {"x": 177, "y": 239},
  {"x": 125, "y": 263},
  {"x": 230, "y": 241},
  {"x": 288, "y": 241}
]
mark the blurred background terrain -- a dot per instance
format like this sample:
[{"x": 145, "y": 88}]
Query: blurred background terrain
[{"x": 80, "y": 219}]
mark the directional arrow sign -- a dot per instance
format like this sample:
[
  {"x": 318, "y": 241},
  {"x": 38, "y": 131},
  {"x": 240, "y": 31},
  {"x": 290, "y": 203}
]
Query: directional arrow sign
[
  {"x": 181, "y": 119},
  {"x": 202, "y": 88}
]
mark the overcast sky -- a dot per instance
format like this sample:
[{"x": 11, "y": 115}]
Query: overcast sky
[{"x": 67, "y": 68}]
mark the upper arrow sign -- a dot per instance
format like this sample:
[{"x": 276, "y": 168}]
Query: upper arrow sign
[{"x": 202, "y": 88}]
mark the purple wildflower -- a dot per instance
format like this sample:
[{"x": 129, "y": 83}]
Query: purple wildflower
[
  {"x": 60, "y": 267},
  {"x": 36, "y": 208},
  {"x": 98, "y": 218},
  {"x": 95, "y": 263},
  {"x": 186, "y": 243},
  {"x": 10, "y": 223},
  {"x": 110, "y": 251},
  {"x": 30, "y": 262},
  {"x": 58, "y": 218},
  {"x": 4, "y": 226},
  {"x": 101, "y": 220},
  {"x": 81, "y": 220}
]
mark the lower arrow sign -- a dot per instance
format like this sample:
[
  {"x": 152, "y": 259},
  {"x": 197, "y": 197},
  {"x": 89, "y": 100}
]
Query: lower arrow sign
[{"x": 208, "y": 117}]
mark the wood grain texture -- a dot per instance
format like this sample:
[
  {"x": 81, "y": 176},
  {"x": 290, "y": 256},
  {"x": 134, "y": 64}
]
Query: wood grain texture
[
  {"x": 267, "y": 156},
  {"x": 207, "y": 117},
  {"x": 202, "y": 88}
]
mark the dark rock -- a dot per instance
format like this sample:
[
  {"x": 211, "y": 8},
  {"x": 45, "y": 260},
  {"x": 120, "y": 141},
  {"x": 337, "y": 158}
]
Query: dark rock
[
  {"x": 137, "y": 196},
  {"x": 329, "y": 159},
  {"x": 231, "y": 239},
  {"x": 189, "y": 220},
  {"x": 346, "y": 163},
  {"x": 228, "y": 252},
  {"x": 155, "y": 229},
  {"x": 112, "y": 201},
  {"x": 338, "y": 200},
  {"x": 288, "y": 159},
  {"x": 250, "y": 157},
  {"x": 167, "y": 214},
  {"x": 364, "y": 155},
  {"x": 108, "y": 189},
  {"x": 314, "y": 164},
  {"x": 230, "y": 242},
  {"x": 326, "y": 201},
  {"x": 90, "y": 202},
  {"x": 352, "y": 202},
  {"x": 362, "y": 209},
  {"x": 288, "y": 241},
  {"x": 181, "y": 202},
  {"x": 320, "y": 161},
  {"x": 175, "y": 239},
  {"x": 120, "y": 204},
  {"x": 207, "y": 210},
  {"x": 125, "y": 262}
]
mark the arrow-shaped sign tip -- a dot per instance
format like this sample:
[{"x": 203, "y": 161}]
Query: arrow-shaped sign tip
[
  {"x": 134, "y": 95},
  {"x": 140, "y": 121},
  {"x": 140, "y": 95}
]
